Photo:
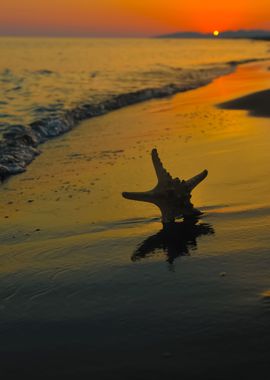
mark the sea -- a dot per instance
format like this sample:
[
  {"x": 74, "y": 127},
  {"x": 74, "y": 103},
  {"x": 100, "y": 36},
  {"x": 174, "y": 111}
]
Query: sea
[{"x": 41, "y": 78}]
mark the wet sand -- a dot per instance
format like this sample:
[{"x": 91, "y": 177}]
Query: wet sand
[{"x": 89, "y": 285}]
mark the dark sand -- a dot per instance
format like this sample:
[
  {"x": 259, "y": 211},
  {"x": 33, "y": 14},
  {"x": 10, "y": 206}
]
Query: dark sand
[{"x": 258, "y": 103}]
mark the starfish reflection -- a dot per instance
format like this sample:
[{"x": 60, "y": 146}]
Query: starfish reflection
[{"x": 175, "y": 239}]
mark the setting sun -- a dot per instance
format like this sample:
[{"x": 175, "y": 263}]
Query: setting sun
[{"x": 216, "y": 33}]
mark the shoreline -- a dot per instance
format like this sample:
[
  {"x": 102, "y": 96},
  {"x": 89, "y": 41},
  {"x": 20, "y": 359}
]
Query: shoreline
[
  {"x": 81, "y": 167},
  {"x": 19, "y": 146},
  {"x": 68, "y": 239}
]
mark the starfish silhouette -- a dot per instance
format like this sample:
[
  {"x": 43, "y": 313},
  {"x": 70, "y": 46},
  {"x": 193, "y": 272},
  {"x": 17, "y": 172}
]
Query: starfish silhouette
[{"x": 171, "y": 195}]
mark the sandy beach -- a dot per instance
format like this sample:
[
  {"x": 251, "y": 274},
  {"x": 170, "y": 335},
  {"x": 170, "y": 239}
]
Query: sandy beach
[{"x": 86, "y": 293}]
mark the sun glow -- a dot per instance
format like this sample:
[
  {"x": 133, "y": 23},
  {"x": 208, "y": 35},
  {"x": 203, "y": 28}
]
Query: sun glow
[
  {"x": 215, "y": 33},
  {"x": 123, "y": 18}
]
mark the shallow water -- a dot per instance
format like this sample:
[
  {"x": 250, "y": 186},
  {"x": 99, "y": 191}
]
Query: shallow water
[{"x": 41, "y": 78}]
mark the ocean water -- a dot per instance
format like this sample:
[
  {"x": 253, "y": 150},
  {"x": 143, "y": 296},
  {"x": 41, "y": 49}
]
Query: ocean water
[{"x": 41, "y": 78}]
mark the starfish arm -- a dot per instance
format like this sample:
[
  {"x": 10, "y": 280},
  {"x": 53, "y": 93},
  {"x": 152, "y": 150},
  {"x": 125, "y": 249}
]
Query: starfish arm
[
  {"x": 194, "y": 181},
  {"x": 139, "y": 196},
  {"x": 162, "y": 174}
]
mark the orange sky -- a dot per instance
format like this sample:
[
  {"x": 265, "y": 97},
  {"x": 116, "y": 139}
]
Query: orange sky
[{"x": 130, "y": 17}]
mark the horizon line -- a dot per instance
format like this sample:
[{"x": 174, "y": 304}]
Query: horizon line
[{"x": 131, "y": 36}]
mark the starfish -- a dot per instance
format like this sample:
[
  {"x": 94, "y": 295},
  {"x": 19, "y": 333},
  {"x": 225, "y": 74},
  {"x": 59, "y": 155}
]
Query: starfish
[{"x": 171, "y": 195}]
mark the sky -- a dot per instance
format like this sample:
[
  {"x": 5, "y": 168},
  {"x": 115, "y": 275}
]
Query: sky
[{"x": 126, "y": 18}]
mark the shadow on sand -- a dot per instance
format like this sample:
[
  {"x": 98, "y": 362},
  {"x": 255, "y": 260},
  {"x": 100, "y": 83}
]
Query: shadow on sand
[{"x": 175, "y": 239}]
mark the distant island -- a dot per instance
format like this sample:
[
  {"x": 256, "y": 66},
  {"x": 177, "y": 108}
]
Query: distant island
[{"x": 253, "y": 34}]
